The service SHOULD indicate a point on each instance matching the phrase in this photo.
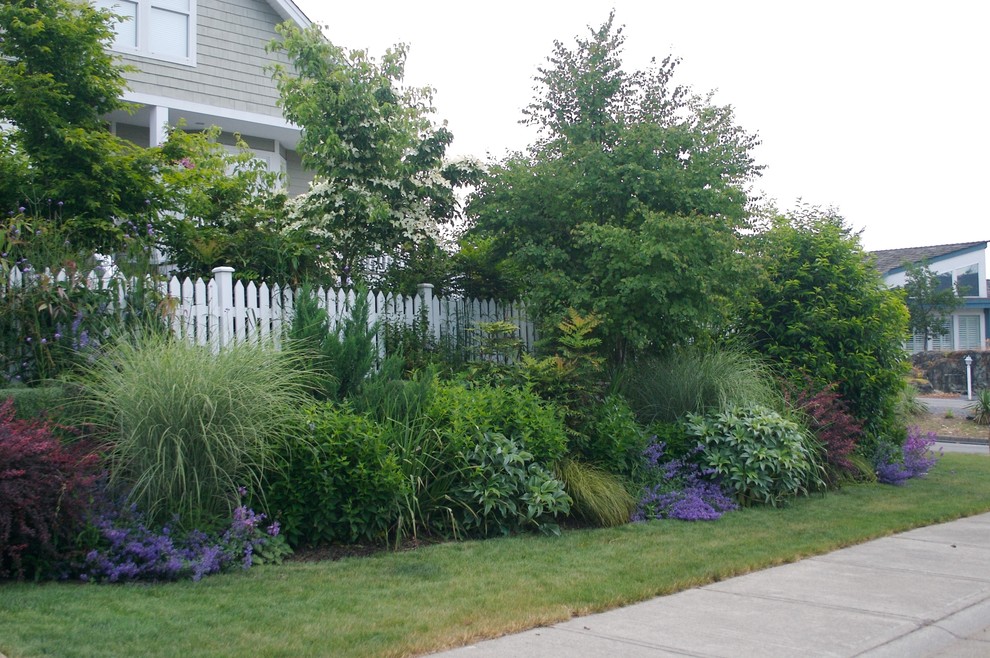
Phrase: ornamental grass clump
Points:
(185, 427)
(598, 496)
(695, 380)
(981, 407)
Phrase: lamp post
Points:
(969, 377)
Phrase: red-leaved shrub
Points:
(45, 488)
(830, 419)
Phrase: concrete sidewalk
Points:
(921, 593)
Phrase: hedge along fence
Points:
(220, 311)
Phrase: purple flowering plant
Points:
(914, 459)
(679, 488)
(128, 549)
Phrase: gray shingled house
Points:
(962, 264)
(204, 62)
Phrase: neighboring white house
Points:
(204, 62)
(962, 264)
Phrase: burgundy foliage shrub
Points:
(830, 419)
(45, 488)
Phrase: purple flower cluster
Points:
(131, 551)
(916, 458)
(680, 489)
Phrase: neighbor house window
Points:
(969, 332)
(968, 281)
(943, 342)
(163, 29)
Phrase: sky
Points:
(876, 108)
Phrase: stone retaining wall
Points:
(946, 371)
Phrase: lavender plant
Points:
(913, 460)
(680, 488)
(128, 549)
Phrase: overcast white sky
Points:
(878, 108)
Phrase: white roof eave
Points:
(290, 12)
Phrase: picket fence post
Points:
(222, 305)
(425, 291)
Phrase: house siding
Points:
(949, 264)
(231, 36)
(298, 177)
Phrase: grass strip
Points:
(407, 603)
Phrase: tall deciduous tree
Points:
(929, 301)
(382, 185)
(821, 308)
(629, 204)
(57, 81)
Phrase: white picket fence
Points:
(221, 311)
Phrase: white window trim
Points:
(144, 35)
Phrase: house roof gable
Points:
(290, 12)
(890, 261)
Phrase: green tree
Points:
(822, 309)
(381, 183)
(929, 301)
(57, 82)
(227, 208)
(629, 205)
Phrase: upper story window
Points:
(968, 281)
(163, 29)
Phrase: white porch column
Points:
(157, 125)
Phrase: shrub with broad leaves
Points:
(340, 483)
(45, 489)
(762, 457)
(506, 491)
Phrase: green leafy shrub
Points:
(761, 456)
(697, 381)
(184, 427)
(615, 441)
(46, 325)
(598, 496)
(572, 378)
(461, 414)
(431, 462)
(387, 395)
(37, 402)
(341, 482)
(822, 308)
(505, 490)
(674, 437)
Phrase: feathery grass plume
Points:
(184, 427)
(695, 380)
(599, 497)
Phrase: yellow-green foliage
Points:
(599, 497)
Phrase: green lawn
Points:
(441, 596)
